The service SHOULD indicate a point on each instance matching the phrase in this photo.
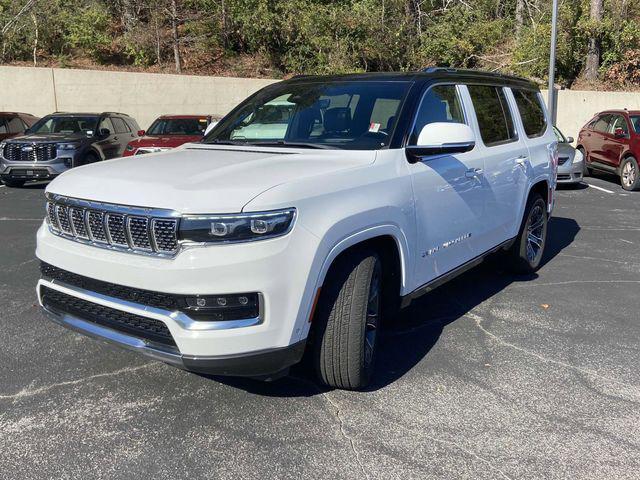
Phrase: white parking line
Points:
(599, 188)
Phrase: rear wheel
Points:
(629, 174)
(526, 253)
(13, 183)
(347, 321)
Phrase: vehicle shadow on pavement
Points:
(408, 338)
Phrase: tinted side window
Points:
(493, 114)
(119, 125)
(15, 125)
(440, 104)
(618, 121)
(3, 127)
(531, 112)
(106, 123)
(602, 124)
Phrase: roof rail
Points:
(473, 72)
(114, 113)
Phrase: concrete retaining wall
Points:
(146, 95)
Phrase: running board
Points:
(603, 167)
(444, 278)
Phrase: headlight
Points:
(243, 227)
(130, 148)
(68, 146)
(578, 157)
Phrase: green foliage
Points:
(285, 37)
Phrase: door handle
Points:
(473, 173)
(521, 160)
(115, 138)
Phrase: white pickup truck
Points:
(238, 256)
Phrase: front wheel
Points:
(526, 253)
(347, 321)
(629, 175)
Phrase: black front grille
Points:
(30, 152)
(562, 160)
(145, 297)
(129, 323)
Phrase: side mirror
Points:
(141, 133)
(619, 132)
(442, 138)
(570, 139)
(104, 132)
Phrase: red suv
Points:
(610, 142)
(14, 124)
(170, 131)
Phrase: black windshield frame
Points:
(303, 100)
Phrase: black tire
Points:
(88, 158)
(586, 171)
(347, 320)
(525, 254)
(630, 174)
(13, 183)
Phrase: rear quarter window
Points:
(531, 112)
(494, 117)
(119, 125)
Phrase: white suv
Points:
(352, 196)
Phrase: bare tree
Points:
(176, 38)
(593, 51)
(520, 6)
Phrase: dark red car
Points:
(170, 131)
(610, 142)
(13, 124)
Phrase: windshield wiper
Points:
(225, 142)
(284, 143)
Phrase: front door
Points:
(449, 192)
(613, 144)
(108, 143)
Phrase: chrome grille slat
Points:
(130, 229)
(30, 152)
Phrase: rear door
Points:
(506, 162)
(613, 145)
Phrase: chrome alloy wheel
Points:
(535, 233)
(373, 315)
(628, 174)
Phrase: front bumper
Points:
(34, 170)
(256, 364)
(570, 172)
(279, 269)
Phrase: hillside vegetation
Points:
(598, 40)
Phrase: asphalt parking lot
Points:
(491, 376)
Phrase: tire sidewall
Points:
(636, 184)
(534, 201)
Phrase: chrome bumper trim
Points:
(181, 318)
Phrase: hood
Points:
(171, 141)
(50, 137)
(200, 178)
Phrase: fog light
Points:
(223, 307)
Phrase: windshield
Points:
(351, 115)
(178, 126)
(635, 121)
(561, 138)
(67, 125)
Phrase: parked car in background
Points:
(13, 124)
(62, 141)
(570, 160)
(250, 253)
(170, 131)
(610, 142)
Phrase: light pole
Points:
(552, 62)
